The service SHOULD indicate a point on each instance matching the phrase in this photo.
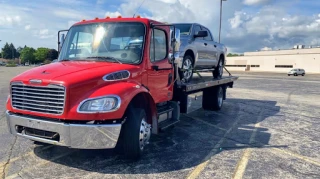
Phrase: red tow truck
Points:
(107, 92)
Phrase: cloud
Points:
(27, 27)
(271, 27)
(256, 2)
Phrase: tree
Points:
(41, 54)
(6, 51)
(232, 55)
(27, 55)
(52, 54)
(13, 51)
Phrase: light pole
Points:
(1, 51)
(220, 18)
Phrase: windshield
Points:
(184, 28)
(117, 42)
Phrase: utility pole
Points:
(220, 19)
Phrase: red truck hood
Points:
(70, 72)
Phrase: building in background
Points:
(277, 60)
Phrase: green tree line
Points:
(29, 54)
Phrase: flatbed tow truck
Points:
(104, 94)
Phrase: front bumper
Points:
(81, 136)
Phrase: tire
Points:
(295, 74)
(218, 71)
(303, 74)
(187, 64)
(214, 98)
(288, 75)
(135, 133)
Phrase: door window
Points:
(197, 28)
(159, 43)
(209, 37)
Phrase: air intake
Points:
(115, 76)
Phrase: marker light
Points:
(138, 16)
(96, 18)
(107, 17)
(119, 16)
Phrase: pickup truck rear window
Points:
(184, 28)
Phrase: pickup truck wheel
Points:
(218, 71)
(186, 72)
(136, 133)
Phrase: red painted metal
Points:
(83, 79)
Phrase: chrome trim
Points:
(82, 136)
(94, 112)
(104, 78)
(52, 86)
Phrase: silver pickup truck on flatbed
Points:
(199, 51)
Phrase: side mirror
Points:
(61, 39)
(202, 33)
(175, 44)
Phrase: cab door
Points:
(160, 71)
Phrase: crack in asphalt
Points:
(5, 166)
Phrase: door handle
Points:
(156, 68)
(205, 44)
(215, 45)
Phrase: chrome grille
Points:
(43, 99)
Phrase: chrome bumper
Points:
(82, 136)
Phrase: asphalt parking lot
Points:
(269, 127)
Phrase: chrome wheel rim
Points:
(187, 68)
(220, 68)
(220, 96)
(145, 132)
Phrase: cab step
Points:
(168, 115)
(164, 112)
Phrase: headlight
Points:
(101, 104)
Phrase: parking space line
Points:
(277, 150)
(243, 162)
(199, 168)
(25, 155)
(306, 159)
(44, 162)
(208, 123)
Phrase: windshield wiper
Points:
(105, 58)
(64, 60)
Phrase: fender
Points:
(126, 90)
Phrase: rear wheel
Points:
(214, 98)
(136, 133)
(288, 75)
(218, 71)
(303, 74)
(295, 74)
(186, 72)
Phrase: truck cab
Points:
(105, 91)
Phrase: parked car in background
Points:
(296, 72)
(199, 51)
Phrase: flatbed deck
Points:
(198, 83)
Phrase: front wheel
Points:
(303, 74)
(136, 133)
(218, 71)
(186, 72)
